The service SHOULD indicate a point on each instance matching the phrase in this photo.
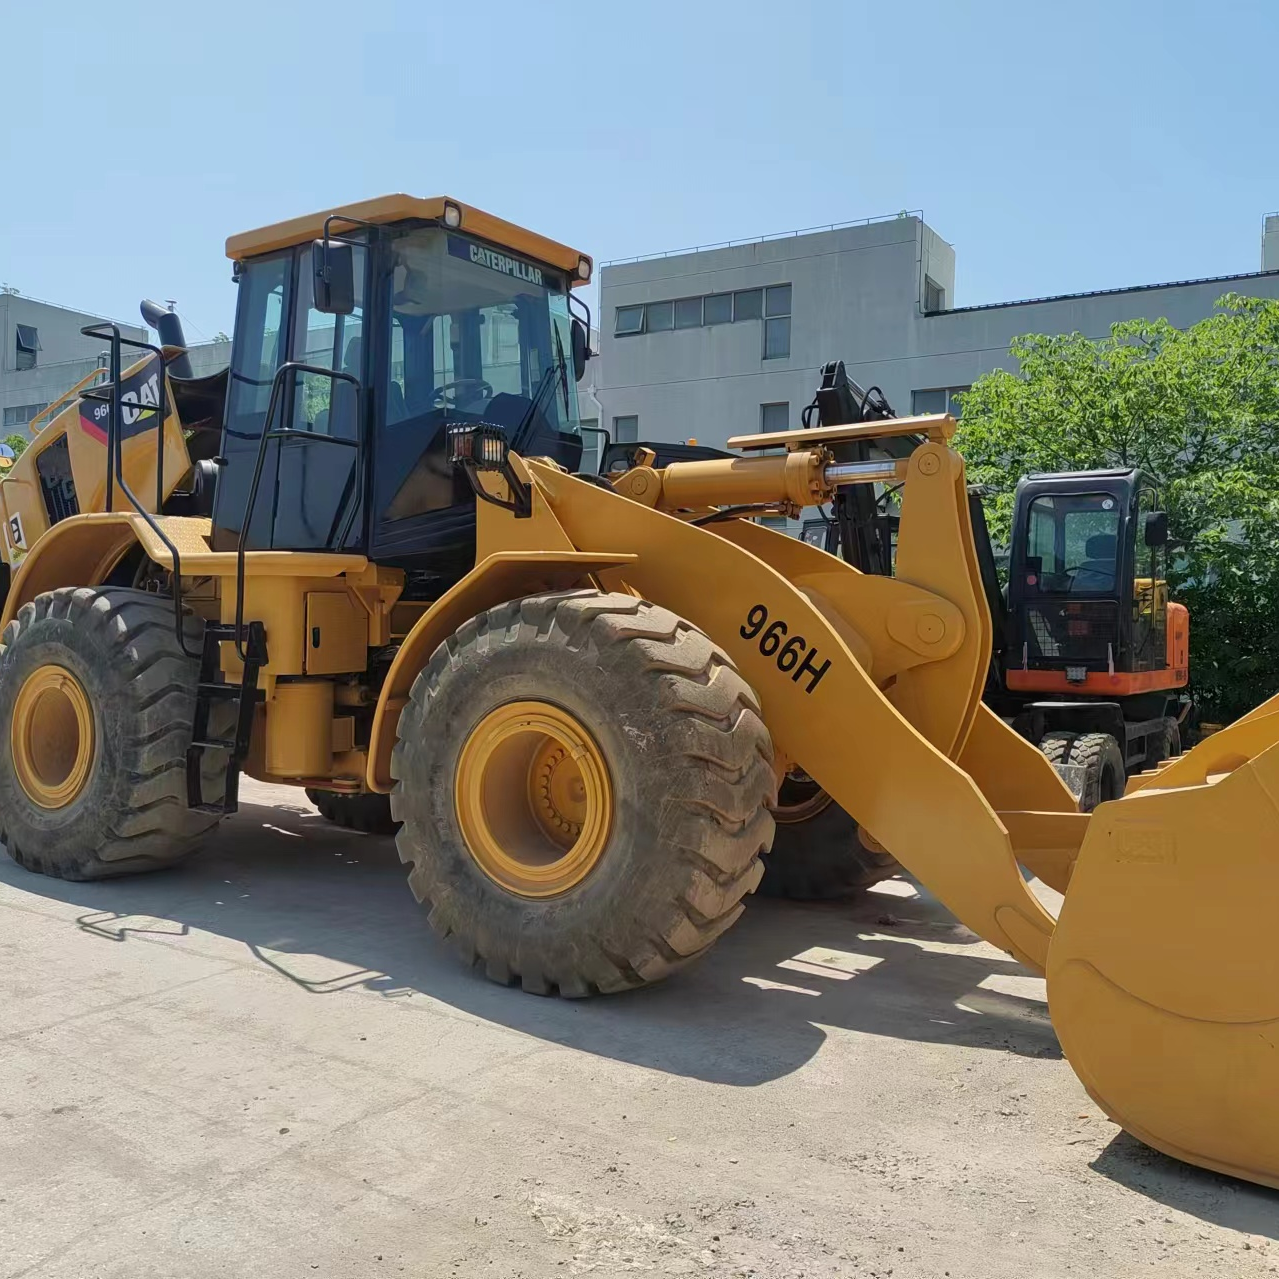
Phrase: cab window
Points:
(1075, 540)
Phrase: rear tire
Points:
(817, 855)
(1165, 744)
(370, 813)
(1101, 758)
(686, 764)
(117, 652)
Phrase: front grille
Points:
(1075, 631)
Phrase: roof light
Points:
(452, 214)
(583, 268)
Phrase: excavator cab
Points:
(1088, 606)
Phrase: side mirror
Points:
(1156, 530)
(334, 265)
(581, 349)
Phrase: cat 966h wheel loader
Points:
(362, 563)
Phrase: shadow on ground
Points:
(329, 911)
(1224, 1201)
(291, 887)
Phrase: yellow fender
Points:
(77, 552)
(502, 576)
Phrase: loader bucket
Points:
(1163, 973)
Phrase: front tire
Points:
(584, 782)
(97, 703)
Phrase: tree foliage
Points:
(17, 443)
(1199, 410)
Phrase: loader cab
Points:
(1087, 587)
(446, 316)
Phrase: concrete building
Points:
(43, 353)
(714, 342)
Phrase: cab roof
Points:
(399, 208)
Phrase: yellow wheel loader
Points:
(361, 562)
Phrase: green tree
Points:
(1199, 410)
(17, 443)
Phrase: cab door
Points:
(318, 482)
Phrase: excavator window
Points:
(1073, 543)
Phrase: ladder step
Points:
(217, 743)
(220, 809)
(228, 692)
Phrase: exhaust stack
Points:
(167, 324)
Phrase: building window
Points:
(943, 399)
(688, 313)
(21, 414)
(626, 429)
(659, 316)
(717, 308)
(590, 462)
(777, 322)
(778, 523)
(934, 295)
(774, 417)
(777, 300)
(629, 319)
(27, 343)
(777, 338)
(771, 304)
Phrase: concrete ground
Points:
(262, 1064)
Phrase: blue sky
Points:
(1058, 147)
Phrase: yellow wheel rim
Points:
(534, 799)
(799, 799)
(51, 736)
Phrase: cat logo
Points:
(134, 404)
(14, 530)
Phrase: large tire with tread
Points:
(1165, 744)
(1102, 761)
(817, 855)
(370, 813)
(131, 812)
(689, 763)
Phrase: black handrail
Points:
(115, 455)
(287, 432)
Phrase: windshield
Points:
(478, 332)
(1075, 538)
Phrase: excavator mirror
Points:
(581, 349)
(334, 277)
(1156, 531)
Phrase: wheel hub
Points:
(51, 736)
(534, 799)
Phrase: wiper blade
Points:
(536, 402)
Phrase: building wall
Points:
(867, 295)
(1270, 243)
(856, 293)
(65, 356)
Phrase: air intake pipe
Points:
(167, 324)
